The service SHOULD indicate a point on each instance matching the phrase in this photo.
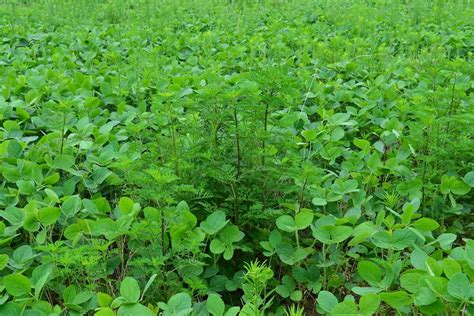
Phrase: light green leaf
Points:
(326, 301)
(126, 205)
(130, 290)
(303, 220)
(369, 272)
(286, 223)
(17, 284)
(426, 224)
(459, 286)
(369, 304)
(214, 223)
(215, 305)
(49, 215)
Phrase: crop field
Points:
(236, 157)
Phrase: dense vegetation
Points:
(236, 157)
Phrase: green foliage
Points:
(236, 157)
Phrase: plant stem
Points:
(237, 144)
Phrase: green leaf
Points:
(3, 261)
(453, 185)
(104, 299)
(446, 240)
(106, 311)
(286, 223)
(82, 297)
(134, 309)
(361, 143)
(469, 178)
(398, 240)
(433, 268)
(228, 252)
(345, 308)
(450, 267)
(71, 206)
(126, 205)
(215, 305)
(326, 301)
(460, 287)
(374, 163)
(424, 296)
(296, 296)
(232, 311)
(365, 290)
(397, 299)
(436, 284)
(49, 215)
(412, 280)
(180, 302)
(318, 201)
(231, 234)
(332, 234)
(26, 187)
(303, 220)
(369, 272)
(217, 246)
(426, 224)
(64, 162)
(369, 304)
(130, 290)
(149, 283)
(17, 284)
(309, 134)
(460, 188)
(214, 223)
(469, 253)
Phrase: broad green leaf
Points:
(3, 261)
(106, 311)
(397, 299)
(326, 301)
(215, 305)
(180, 302)
(104, 299)
(426, 224)
(134, 309)
(397, 240)
(286, 223)
(296, 296)
(26, 187)
(233, 311)
(345, 308)
(130, 290)
(450, 267)
(217, 246)
(460, 287)
(49, 215)
(214, 223)
(412, 280)
(469, 253)
(309, 135)
(331, 234)
(424, 296)
(71, 206)
(446, 240)
(469, 178)
(369, 272)
(369, 304)
(17, 284)
(303, 220)
(126, 205)
(433, 268)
